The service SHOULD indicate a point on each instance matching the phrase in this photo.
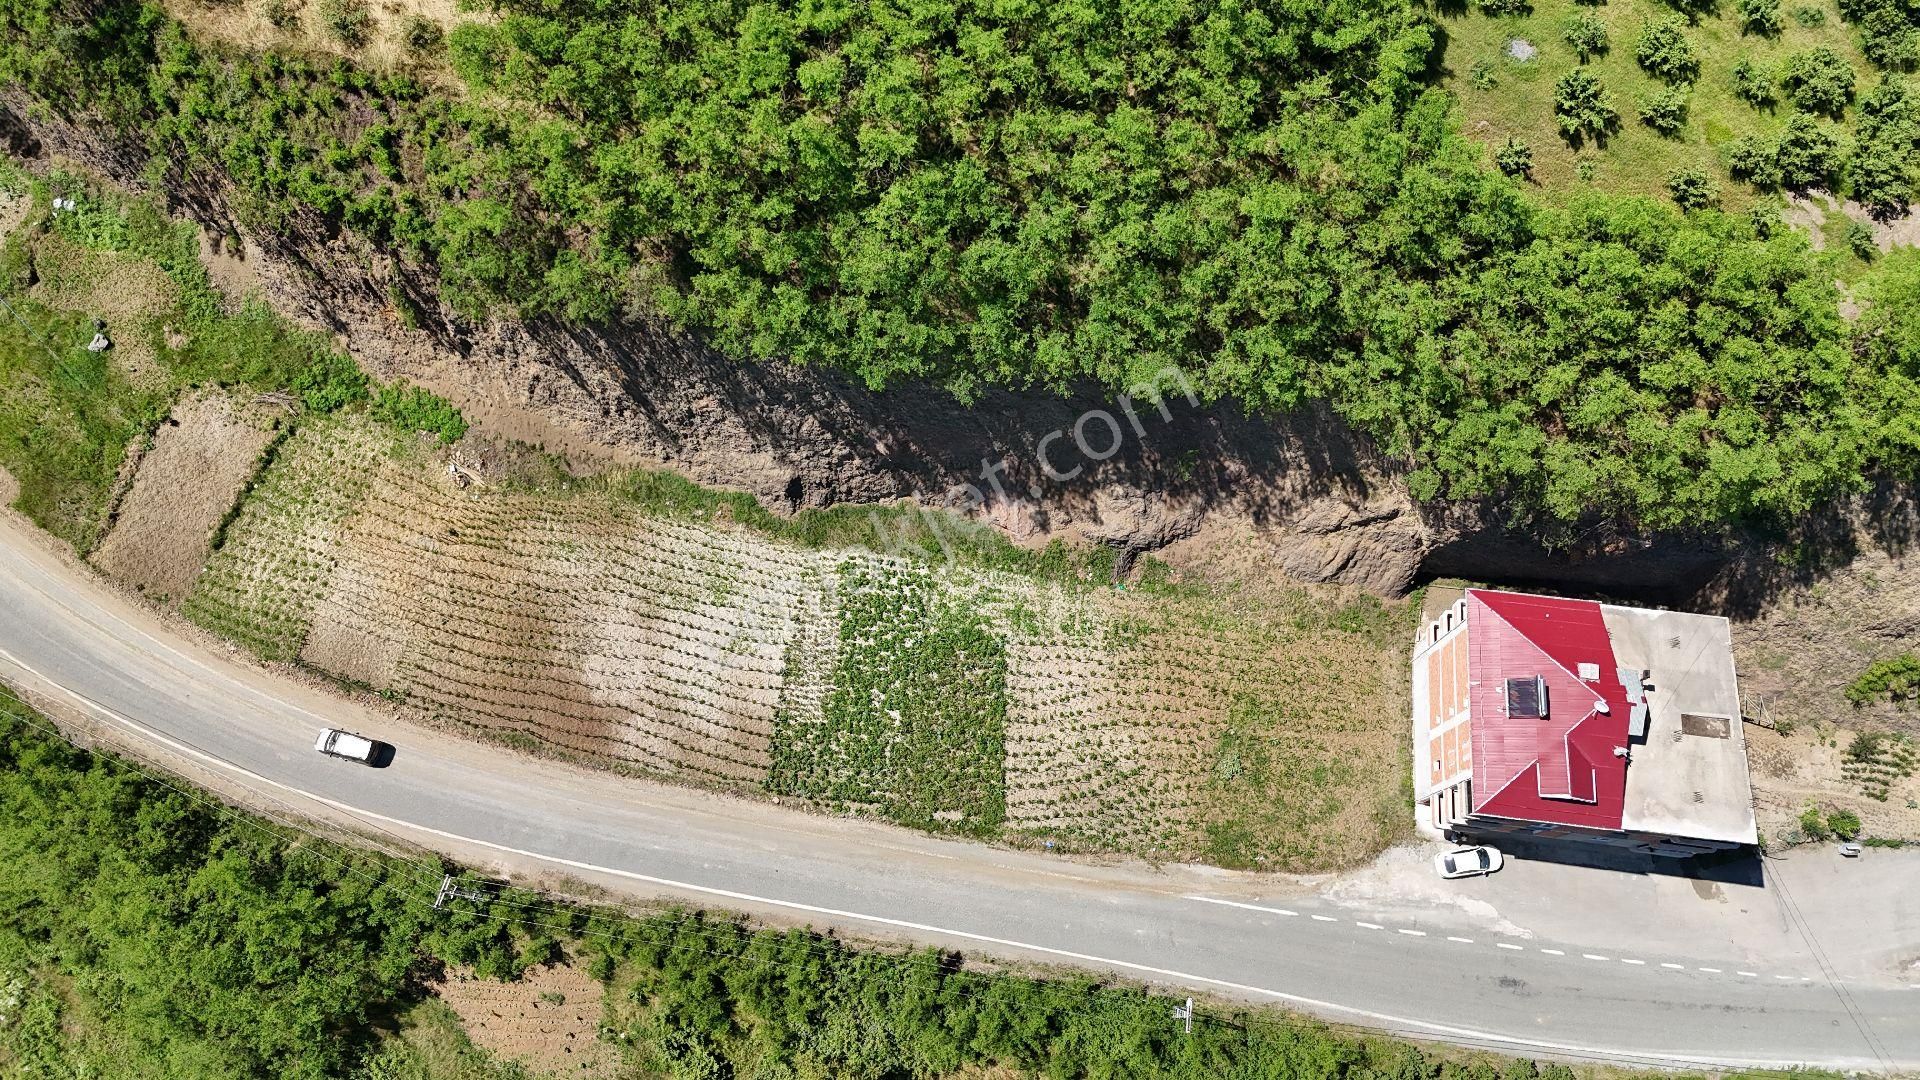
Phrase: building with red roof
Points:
(1575, 720)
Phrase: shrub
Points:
(1761, 17)
(405, 405)
(422, 35)
(1587, 34)
(1809, 17)
(1860, 239)
(1483, 75)
(1755, 160)
(283, 14)
(1893, 679)
(1844, 824)
(1813, 823)
(1692, 189)
(1887, 38)
(1515, 158)
(1664, 51)
(1752, 83)
(346, 21)
(1818, 81)
(1665, 111)
(1582, 105)
(1880, 177)
(1500, 8)
(1806, 154)
(331, 382)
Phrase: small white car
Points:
(1468, 862)
(345, 744)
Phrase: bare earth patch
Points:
(200, 461)
(548, 1020)
(1792, 772)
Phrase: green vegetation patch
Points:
(1278, 791)
(144, 934)
(1895, 679)
(1270, 198)
(914, 726)
(67, 417)
(1744, 68)
(1876, 760)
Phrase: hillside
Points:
(1276, 204)
(890, 662)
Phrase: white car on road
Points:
(1468, 862)
(345, 744)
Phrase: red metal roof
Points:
(1561, 768)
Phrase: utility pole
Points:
(452, 890)
(1185, 1012)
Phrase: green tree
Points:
(1818, 80)
(1807, 154)
(1664, 51)
(1514, 157)
(1756, 160)
(1752, 83)
(1583, 106)
(1881, 169)
(1760, 17)
(1692, 189)
(1586, 33)
(1665, 110)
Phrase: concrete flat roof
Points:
(1689, 778)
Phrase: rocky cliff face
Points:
(1318, 502)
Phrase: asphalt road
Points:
(1441, 972)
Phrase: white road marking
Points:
(1710, 971)
(1675, 967)
(1414, 933)
(1748, 974)
(1385, 1019)
(1553, 952)
(1592, 956)
(1249, 907)
(1325, 918)
(1784, 978)
(1504, 945)
(1635, 963)
(1466, 940)
(1368, 925)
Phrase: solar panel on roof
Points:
(1527, 698)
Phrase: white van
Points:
(345, 744)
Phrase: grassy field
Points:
(69, 416)
(1514, 99)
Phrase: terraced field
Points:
(1168, 722)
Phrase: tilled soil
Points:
(201, 459)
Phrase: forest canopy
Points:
(1271, 196)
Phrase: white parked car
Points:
(345, 744)
(1468, 862)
